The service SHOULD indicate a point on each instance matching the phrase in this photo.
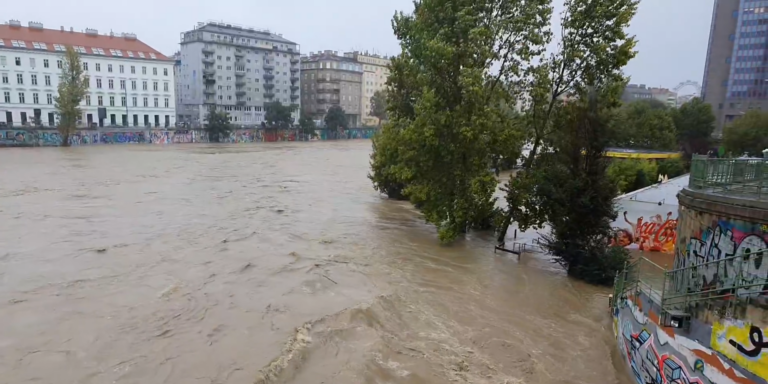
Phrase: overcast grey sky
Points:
(672, 34)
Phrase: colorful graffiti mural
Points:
(746, 275)
(655, 235)
(23, 137)
(657, 355)
(743, 343)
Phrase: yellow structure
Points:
(623, 153)
(375, 74)
(743, 343)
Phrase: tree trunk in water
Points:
(508, 219)
(65, 139)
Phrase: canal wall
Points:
(51, 138)
(718, 283)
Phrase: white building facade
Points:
(237, 70)
(375, 74)
(133, 83)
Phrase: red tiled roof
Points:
(53, 36)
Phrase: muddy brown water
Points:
(266, 263)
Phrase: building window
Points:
(35, 98)
(166, 102)
(32, 62)
(87, 99)
(122, 84)
(122, 101)
(133, 99)
(21, 97)
(19, 78)
(122, 68)
(732, 37)
(154, 85)
(144, 85)
(165, 87)
(111, 101)
(165, 71)
(98, 83)
(98, 67)
(85, 66)
(154, 71)
(133, 69)
(5, 78)
(143, 70)
(49, 98)
(3, 61)
(7, 97)
(146, 102)
(100, 100)
(109, 67)
(735, 14)
(34, 79)
(48, 80)
(111, 84)
(133, 85)
(156, 103)
(18, 61)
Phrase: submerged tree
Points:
(379, 105)
(217, 125)
(307, 125)
(278, 115)
(72, 88)
(336, 119)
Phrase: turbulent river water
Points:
(266, 263)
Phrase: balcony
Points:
(269, 76)
(208, 60)
(240, 102)
(209, 100)
(325, 80)
(294, 97)
(240, 92)
(269, 95)
(209, 79)
(322, 100)
(208, 50)
(209, 71)
(294, 88)
(268, 85)
(239, 82)
(294, 60)
(294, 79)
(239, 54)
(268, 67)
(209, 91)
(239, 72)
(294, 70)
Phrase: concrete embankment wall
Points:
(721, 281)
(49, 137)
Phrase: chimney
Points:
(14, 23)
(62, 28)
(71, 29)
(35, 25)
(91, 32)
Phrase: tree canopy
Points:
(278, 115)
(379, 105)
(307, 125)
(217, 125)
(646, 125)
(694, 124)
(72, 89)
(336, 119)
(748, 134)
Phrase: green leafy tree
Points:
(217, 125)
(593, 49)
(278, 116)
(631, 175)
(379, 105)
(748, 134)
(447, 110)
(336, 119)
(646, 127)
(72, 88)
(671, 168)
(307, 125)
(573, 195)
(694, 123)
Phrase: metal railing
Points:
(745, 176)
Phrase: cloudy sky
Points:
(672, 34)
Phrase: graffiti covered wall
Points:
(662, 355)
(646, 227)
(744, 343)
(31, 137)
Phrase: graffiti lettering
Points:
(756, 338)
(655, 235)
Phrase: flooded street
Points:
(266, 263)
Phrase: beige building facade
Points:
(328, 80)
(375, 74)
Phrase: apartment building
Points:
(375, 74)
(736, 68)
(129, 79)
(329, 79)
(238, 70)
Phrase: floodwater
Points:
(266, 263)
